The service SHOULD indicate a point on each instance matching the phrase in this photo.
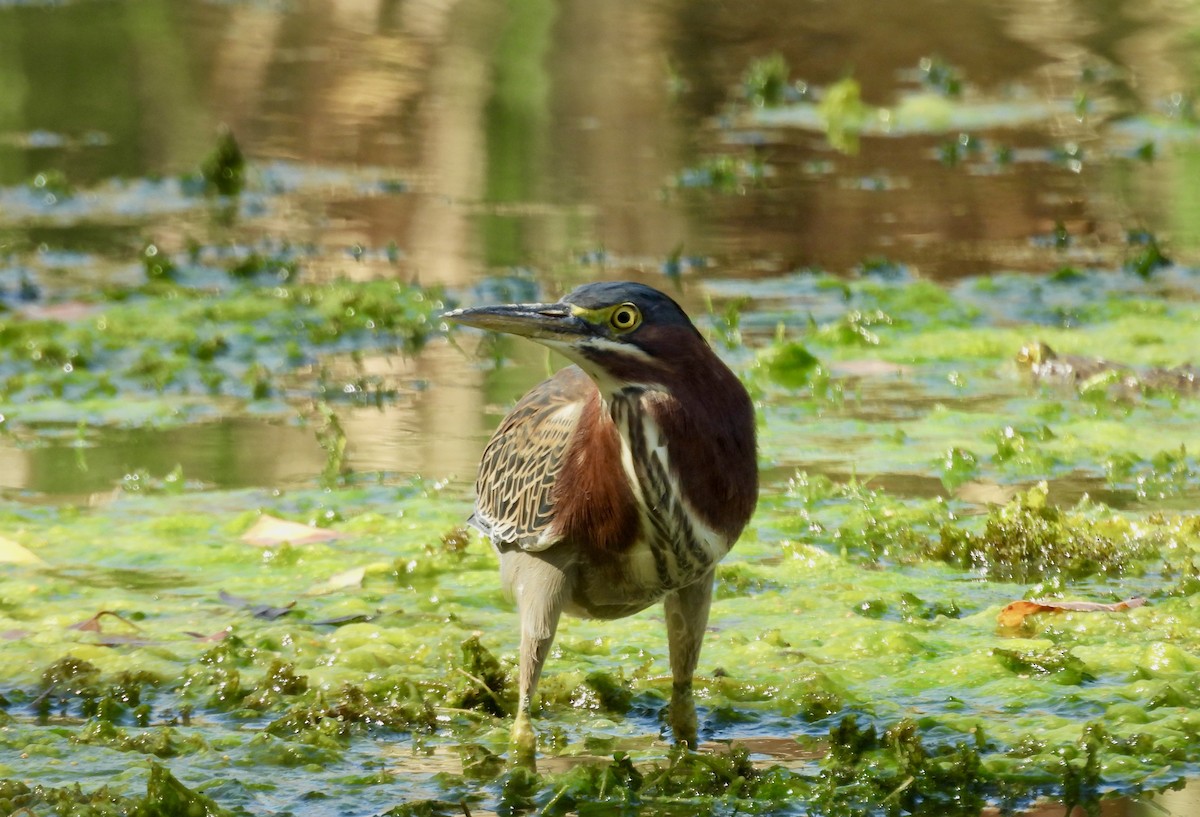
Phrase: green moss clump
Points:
(766, 81)
(604, 691)
(789, 364)
(856, 328)
(281, 680)
(70, 674)
(224, 169)
(1029, 540)
(1058, 664)
(739, 579)
(399, 709)
(73, 681)
(164, 742)
(484, 682)
(165, 797)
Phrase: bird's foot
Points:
(682, 716)
(523, 740)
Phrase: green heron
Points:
(619, 481)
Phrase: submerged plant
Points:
(224, 169)
(938, 75)
(724, 174)
(766, 81)
(843, 114)
(53, 185)
(1144, 255)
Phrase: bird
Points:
(619, 482)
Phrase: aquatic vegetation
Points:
(175, 340)
(165, 796)
(765, 81)
(938, 75)
(421, 650)
(842, 114)
(790, 364)
(958, 465)
(1145, 254)
(1165, 474)
(52, 185)
(223, 170)
(867, 592)
(1030, 540)
(724, 174)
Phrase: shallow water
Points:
(552, 141)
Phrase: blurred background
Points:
(514, 149)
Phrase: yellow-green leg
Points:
(540, 589)
(687, 617)
(523, 740)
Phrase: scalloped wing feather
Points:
(514, 503)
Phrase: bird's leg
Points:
(535, 646)
(687, 617)
(541, 588)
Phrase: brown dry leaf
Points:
(1014, 615)
(92, 625)
(14, 554)
(269, 531)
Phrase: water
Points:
(552, 138)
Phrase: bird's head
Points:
(622, 334)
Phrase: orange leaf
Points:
(1014, 615)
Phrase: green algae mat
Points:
(973, 578)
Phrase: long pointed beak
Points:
(536, 321)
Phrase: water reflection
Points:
(583, 113)
(550, 133)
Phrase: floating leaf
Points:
(270, 531)
(1014, 614)
(345, 580)
(14, 554)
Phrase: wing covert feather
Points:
(514, 502)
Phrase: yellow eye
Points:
(625, 317)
